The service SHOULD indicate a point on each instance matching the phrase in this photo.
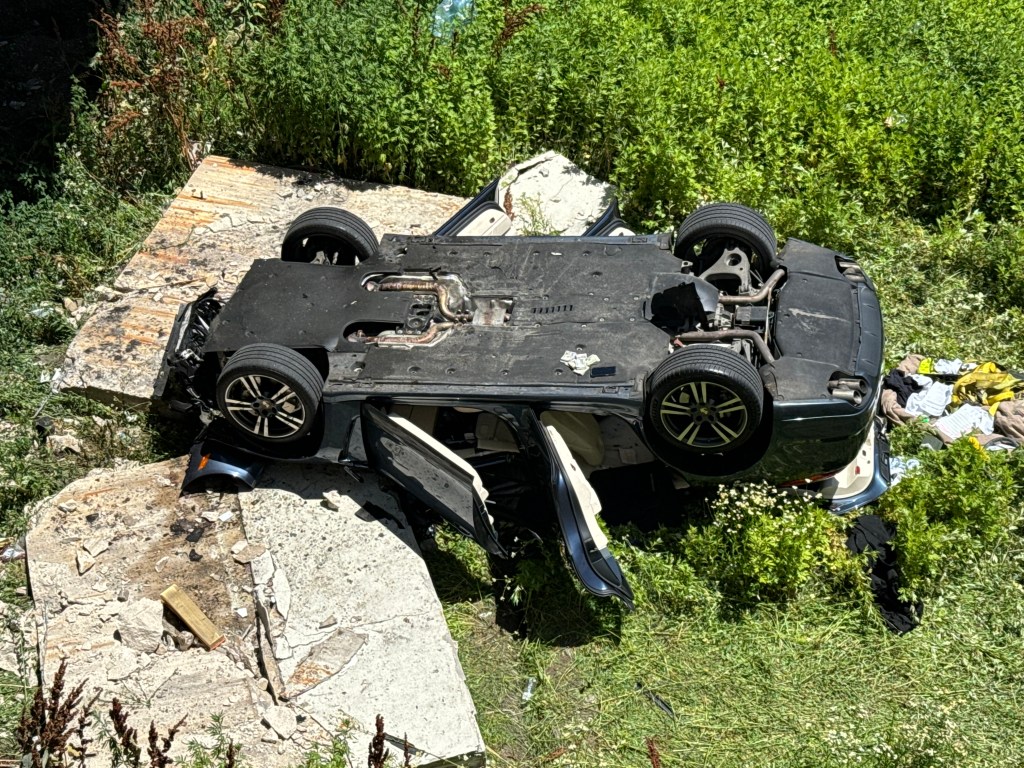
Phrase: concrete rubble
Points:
(333, 620)
(360, 635)
(314, 577)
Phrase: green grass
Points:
(816, 683)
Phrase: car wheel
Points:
(329, 236)
(713, 229)
(704, 399)
(270, 393)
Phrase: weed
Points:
(765, 544)
(46, 731)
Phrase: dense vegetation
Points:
(889, 130)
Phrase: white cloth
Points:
(930, 401)
(965, 420)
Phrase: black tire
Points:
(270, 393)
(704, 399)
(329, 236)
(712, 229)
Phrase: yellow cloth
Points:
(987, 384)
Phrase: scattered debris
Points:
(659, 702)
(281, 719)
(247, 552)
(96, 547)
(531, 686)
(63, 444)
(13, 549)
(85, 561)
(579, 362)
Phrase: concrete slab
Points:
(360, 631)
(548, 194)
(138, 527)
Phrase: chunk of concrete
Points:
(281, 719)
(227, 215)
(141, 624)
(370, 576)
(550, 195)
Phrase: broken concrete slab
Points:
(140, 625)
(548, 194)
(92, 620)
(386, 649)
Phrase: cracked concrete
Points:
(364, 628)
(334, 622)
(85, 618)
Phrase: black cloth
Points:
(902, 385)
(871, 533)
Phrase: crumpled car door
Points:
(426, 468)
(577, 506)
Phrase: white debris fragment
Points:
(123, 663)
(68, 506)
(96, 546)
(141, 624)
(242, 612)
(282, 649)
(579, 362)
(63, 444)
(333, 500)
(281, 719)
(225, 516)
(248, 553)
(238, 546)
(85, 561)
(262, 569)
(282, 593)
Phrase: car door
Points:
(426, 468)
(577, 506)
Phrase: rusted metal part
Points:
(432, 335)
(451, 292)
(761, 295)
(697, 337)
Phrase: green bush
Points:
(763, 543)
(820, 113)
(950, 510)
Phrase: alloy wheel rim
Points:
(265, 406)
(703, 414)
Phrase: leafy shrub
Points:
(956, 505)
(794, 107)
(765, 544)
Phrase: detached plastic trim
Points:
(209, 459)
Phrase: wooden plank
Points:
(193, 616)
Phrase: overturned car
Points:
(500, 380)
